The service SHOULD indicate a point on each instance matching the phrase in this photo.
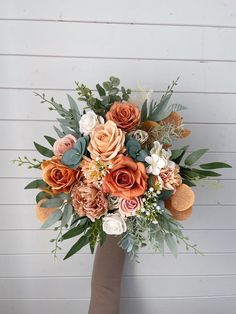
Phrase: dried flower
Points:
(88, 200)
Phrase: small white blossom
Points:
(158, 160)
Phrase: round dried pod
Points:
(182, 215)
(182, 199)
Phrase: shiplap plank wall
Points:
(45, 46)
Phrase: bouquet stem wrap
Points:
(106, 278)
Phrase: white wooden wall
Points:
(45, 46)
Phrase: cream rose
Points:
(114, 224)
(88, 122)
(63, 144)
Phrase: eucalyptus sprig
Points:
(35, 163)
(70, 117)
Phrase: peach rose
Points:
(58, 176)
(89, 201)
(63, 144)
(126, 179)
(107, 141)
(129, 207)
(125, 115)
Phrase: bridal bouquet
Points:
(111, 170)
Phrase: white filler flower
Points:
(114, 224)
(88, 122)
(158, 159)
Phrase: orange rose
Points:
(126, 179)
(58, 176)
(107, 141)
(125, 115)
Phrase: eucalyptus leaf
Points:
(36, 184)
(41, 195)
(52, 219)
(52, 203)
(101, 91)
(67, 213)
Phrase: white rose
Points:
(114, 224)
(88, 122)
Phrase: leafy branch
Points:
(109, 92)
(35, 163)
(70, 118)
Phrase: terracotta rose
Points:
(126, 179)
(58, 176)
(125, 115)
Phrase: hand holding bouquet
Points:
(112, 171)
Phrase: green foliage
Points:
(171, 243)
(135, 151)
(215, 165)
(109, 92)
(67, 214)
(194, 156)
(41, 195)
(69, 121)
(73, 156)
(54, 202)
(160, 110)
(50, 140)
(52, 219)
(83, 225)
(44, 150)
(36, 184)
(83, 240)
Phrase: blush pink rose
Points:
(128, 207)
(63, 144)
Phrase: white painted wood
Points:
(54, 73)
(210, 192)
(25, 105)
(37, 265)
(218, 305)
(132, 287)
(30, 131)
(191, 12)
(89, 41)
(173, 42)
(22, 217)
